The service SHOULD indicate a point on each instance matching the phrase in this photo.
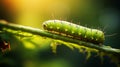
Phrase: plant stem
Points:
(43, 33)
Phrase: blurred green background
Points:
(36, 51)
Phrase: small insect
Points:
(4, 45)
(74, 31)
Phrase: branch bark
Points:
(43, 33)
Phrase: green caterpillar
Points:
(74, 31)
